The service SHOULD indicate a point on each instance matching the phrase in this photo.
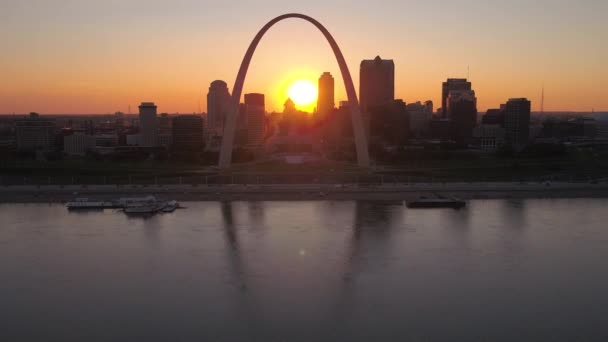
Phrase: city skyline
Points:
(77, 66)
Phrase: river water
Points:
(500, 270)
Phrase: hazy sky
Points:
(86, 56)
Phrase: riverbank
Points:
(295, 192)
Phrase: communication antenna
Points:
(542, 101)
(468, 72)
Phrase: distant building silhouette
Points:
(326, 101)
(450, 85)
(119, 120)
(165, 135)
(429, 106)
(494, 117)
(187, 132)
(389, 123)
(218, 106)
(78, 144)
(325, 109)
(34, 133)
(148, 124)
(489, 137)
(517, 122)
(256, 119)
(376, 86)
(420, 116)
(462, 111)
(164, 124)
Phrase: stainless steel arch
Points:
(229, 129)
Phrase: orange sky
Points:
(92, 57)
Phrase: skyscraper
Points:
(256, 119)
(148, 124)
(377, 83)
(218, 106)
(517, 123)
(462, 111)
(325, 101)
(450, 85)
(376, 86)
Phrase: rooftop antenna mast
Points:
(542, 101)
(468, 72)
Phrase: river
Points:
(499, 270)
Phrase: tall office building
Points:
(187, 132)
(452, 84)
(326, 101)
(34, 133)
(218, 107)
(462, 111)
(517, 123)
(376, 87)
(377, 83)
(256, 119)
(148, 124)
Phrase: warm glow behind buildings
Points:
(98, 57)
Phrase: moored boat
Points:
(170, 206)
(87, 204)
(423, 203)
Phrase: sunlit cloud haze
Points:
(84, 56)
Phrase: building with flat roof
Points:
(35, 133)
(256, 119)
(148, 124)
(376, 86)
(517, 123)
(218, 107)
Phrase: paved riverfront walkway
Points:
(56, 193)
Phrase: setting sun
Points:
(303, 93)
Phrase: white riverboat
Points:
(85, 203)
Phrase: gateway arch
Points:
(357, 119)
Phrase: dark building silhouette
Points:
(571, 129)
(462, 111)
(34, 133)
(494, 117)
(187, 131)
(389, 123)
(218, 105)
(420, 115)
(325, 101)
(441, 129)
(428, 106)
(256, 119)
(452, 84)
(148, 124)
(376, 86)
(517, 123)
